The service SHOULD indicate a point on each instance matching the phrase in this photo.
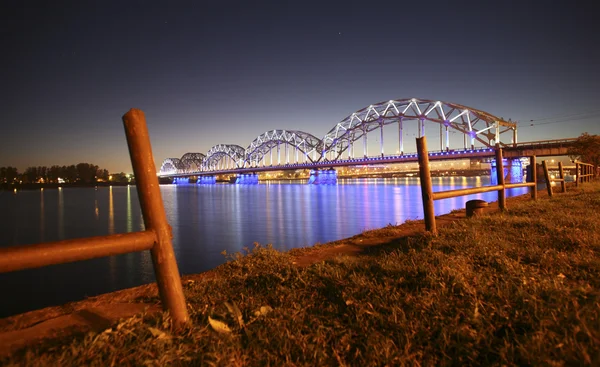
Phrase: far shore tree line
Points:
(80, 173)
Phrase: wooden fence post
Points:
(155, 219)
(563, 184)
(547, 177)
(500, 176)
(426, 187)
(533, 165)
(577, 175)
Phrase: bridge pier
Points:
(247, 179)
(323, 177)
(513, 171)
(207, 180)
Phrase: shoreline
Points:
(55, 186)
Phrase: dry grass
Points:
(514, 288)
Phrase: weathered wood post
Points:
(589, 173)
(577, 175)
(155, 219)
(563, 185)
(547, 177)
(533, 165)
(426, 188)
(500, 176)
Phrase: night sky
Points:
(210, 72)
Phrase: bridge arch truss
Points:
(301, 142)
(476, 125)
(170, 166)
(218, 156)
(191, 162)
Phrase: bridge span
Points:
(481, 134)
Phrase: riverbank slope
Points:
(519, 287)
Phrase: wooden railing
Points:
(156, 237)
(549, 180)
(429, 196)
(584, 172)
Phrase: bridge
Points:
(481, 134)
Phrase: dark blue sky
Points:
(210, 72)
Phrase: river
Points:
(206, 220)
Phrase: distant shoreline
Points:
(37, 186)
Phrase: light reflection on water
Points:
(206, 219)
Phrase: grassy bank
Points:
(514, 288)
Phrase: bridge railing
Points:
(429, 196)
(538, 143)
(156, 237)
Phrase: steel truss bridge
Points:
(481, 132)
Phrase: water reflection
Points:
(42, 218)
(61, 215)
(129, 216)
(111, 211)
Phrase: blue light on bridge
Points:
(247, 179)
(207, 180)
(323, 177)
(513, 171)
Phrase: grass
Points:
(514, 288)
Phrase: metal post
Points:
(381, 142)
(500, 176)
(533, 164)
(401, 141)
(155, 219)
(447, 139)
(563, 185)
(365, 143)
(426, 187)
(547, 177)
(441, 139)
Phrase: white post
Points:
(400, 136)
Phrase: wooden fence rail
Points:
(429, 196)
(584, 172)
(156, 237)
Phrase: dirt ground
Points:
(99, 312)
